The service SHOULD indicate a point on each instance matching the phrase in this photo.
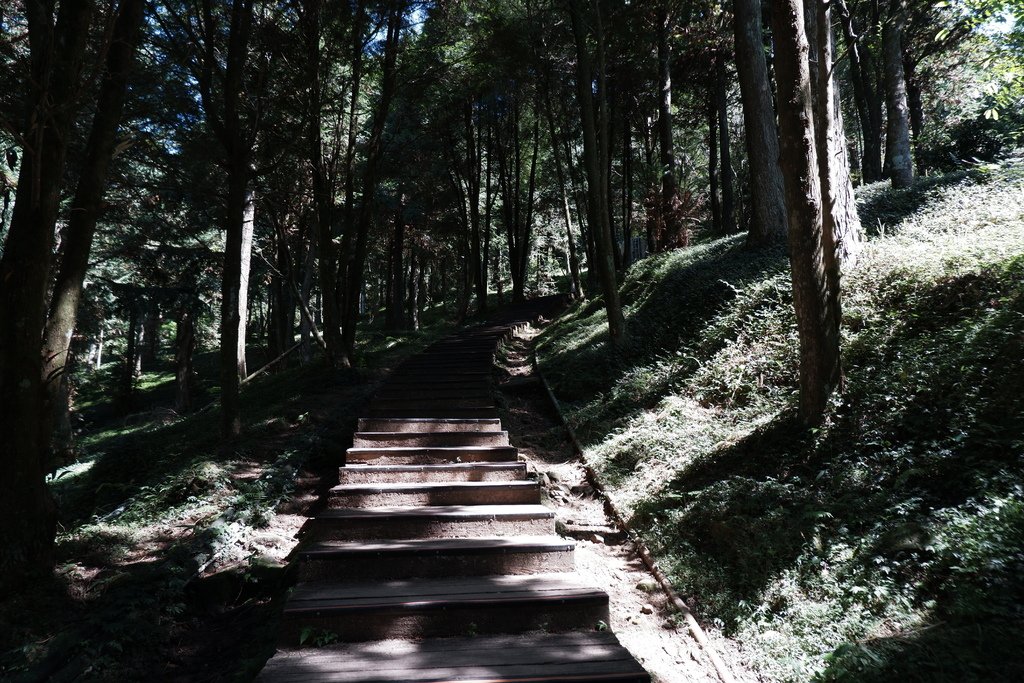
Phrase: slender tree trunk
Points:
(818, 332)
(722, 104)
(394, 317)
(768, 223)
(716, 205)
(898, 160)
(868, 109)
(27, 511)
(672, 231)
(414, 292)
(574, 264)
(597, 201)
(244, 264)
(374, 147)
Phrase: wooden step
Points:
(437, 558)
(534, 658)
(434, 493)
(480, 471)
(427, 425)
(434, 393)
(425, 608)
(414, 455)
(425, 404)
(428, 439)
(438, 411)
(431, 521)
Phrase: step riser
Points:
(398, 528)
(420, 426)
(509, 496)
(442, 412)
(424, 404)
(428, 440)
(438, 566)
(454, 621)
(476, 395)
(431, 456)
(353, 475)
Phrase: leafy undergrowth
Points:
(889, 543)
(171, 547)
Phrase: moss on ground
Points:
(889, 543)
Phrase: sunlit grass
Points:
(852, 552)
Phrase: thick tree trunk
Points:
(627, 192)
(86, 208)
(232, 325)
(184, 346)
(768, 223)
(27, 512)
(596, 206)
(818, 331)
(722, 105)
(898, 160)
(150, 336)
(412, 305)
(841, 234)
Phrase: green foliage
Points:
(887, 544)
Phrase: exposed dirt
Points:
(641, 615)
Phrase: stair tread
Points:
(441, 511)
(437, 593)
(543, 657)
(454, 466)
(411, 487)
(438, 545)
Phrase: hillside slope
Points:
(890, 542)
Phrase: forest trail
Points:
(434, 559)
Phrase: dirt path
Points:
(641, 615)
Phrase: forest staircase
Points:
(434, 559)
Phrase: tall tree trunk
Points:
(412, 305)
(27, 512)
(869, 110)
(394, 317)
(184, 346)
(722, 105)
(898, 160)
(374, 148)
(596, 206)
(672, 231)
(576, 286)
(716, 205)
(767, 198)
(627, 192)
(841, 233)
(818, 331)
(86, 208)
(244, 264)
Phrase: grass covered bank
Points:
(889, 544)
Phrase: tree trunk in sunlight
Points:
(898, 162)
(817, 329)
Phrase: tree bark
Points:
(722, 104)
(869, 109)
(898, 160)
(672, 231)
(716, 204)
(597, 204)
(85, 210)
(767, 198)
(394, 317)
(184, 346)
(818, 332)
(27, 511)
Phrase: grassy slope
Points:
(889, 543)
(156, 507)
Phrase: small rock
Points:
(647, 609)
(597, 538)
(544, 479)
(554, 476)
(647, 585)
